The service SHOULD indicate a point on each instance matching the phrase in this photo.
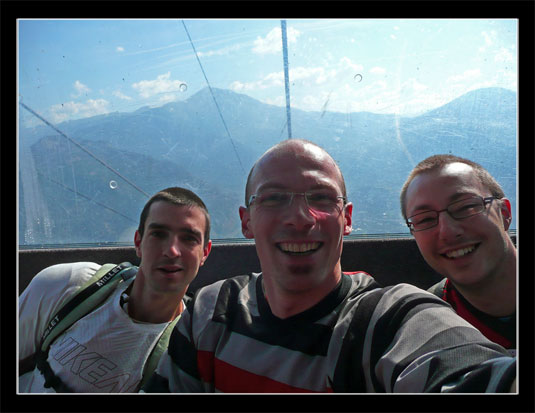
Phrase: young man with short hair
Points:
(107, 350)
(303, 325)
(459, 217)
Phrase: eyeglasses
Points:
(319, 201)
(457, 210)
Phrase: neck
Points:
(155, 308)
(285, 302)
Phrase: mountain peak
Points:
(208, 92)
(485, 103)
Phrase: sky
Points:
(72, 69)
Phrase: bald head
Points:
(293, 149)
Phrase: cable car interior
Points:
(112, 110)
(195, 102)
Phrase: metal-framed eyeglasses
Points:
(318, 201)
(457, 210)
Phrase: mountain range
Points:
(72, 195)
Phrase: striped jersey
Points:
(501, 330)
(359, 338)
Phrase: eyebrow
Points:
(270, 186)
(453, 198)
(282, 187)
(156, 225)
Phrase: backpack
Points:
(87, 298)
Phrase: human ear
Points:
(137, 243)
(245, 218)
(348, 211)
(206, 251)
(505, 209)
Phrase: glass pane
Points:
(111, 111)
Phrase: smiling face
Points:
(469, 251)
(172, 247)
(299, 247)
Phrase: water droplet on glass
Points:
(183, 87)
(113, 184)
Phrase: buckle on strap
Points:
(128, 273)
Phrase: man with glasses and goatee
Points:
(459, 217)
(302, 324)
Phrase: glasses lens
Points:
(466, 207)
(274, 199)
(322, 201)
(424, 220)
(319, 201)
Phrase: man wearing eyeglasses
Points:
(459, 217)
(303, 325)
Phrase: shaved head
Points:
(298, 148)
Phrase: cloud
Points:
(76, 110)
(162, 84)
(341, 91)
(272, 42)
(270, 80)
(346, 63)
(120, 49)
(503, 55)
(466, 75)
(166, 98)
(488, 38)
(408, 98)
(121, 95)
(316, 75)
(308, 76)
(220, 52)
(377, 70)
(80, 89)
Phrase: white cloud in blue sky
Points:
(90, 107)
(162, 84)
(121, 95)
(80, 89)
(272, 43)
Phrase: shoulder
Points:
(409, 291)
(222, 295)
(70, 273)
(226, 286)
(48, 291)
(437, 289)
(361, 278)
(63, 278)
(391, 298)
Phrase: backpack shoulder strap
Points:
(157, 351)
(104, 269)
(92, 293)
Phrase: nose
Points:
(172, 249)
(298, 213)
(448, 227)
